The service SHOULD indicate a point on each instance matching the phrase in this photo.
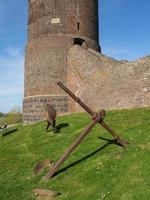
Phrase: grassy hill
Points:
(98, 169)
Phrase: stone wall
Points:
(103, 82)
(54, 26)
(35, 107)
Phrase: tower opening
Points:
(79, 41)
(78, 26)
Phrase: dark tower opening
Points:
(55, 3)
(79, 41)
(78, 26)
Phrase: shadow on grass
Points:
(109, 142)
(60, 126)
(114, 141)
(8, 132)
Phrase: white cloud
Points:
(13, 52)
(11, 79)
(10, 89)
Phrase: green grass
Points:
(95, 171)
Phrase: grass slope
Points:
(96, 170)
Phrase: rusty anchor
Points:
(96, 118)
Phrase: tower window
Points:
(55, 3)
(78, 25)
(78, 41)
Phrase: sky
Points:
(124, 34)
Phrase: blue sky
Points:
(125, 28)
(124, 34)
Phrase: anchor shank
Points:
(56, 166)
(85, 107)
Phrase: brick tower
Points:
(53, 27)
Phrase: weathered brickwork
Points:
(105, 83)
(63, 16)
(34, 107)
(54, 26)
(45, 65)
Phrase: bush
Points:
(13, 118)
(2, 114)
(2, 121)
